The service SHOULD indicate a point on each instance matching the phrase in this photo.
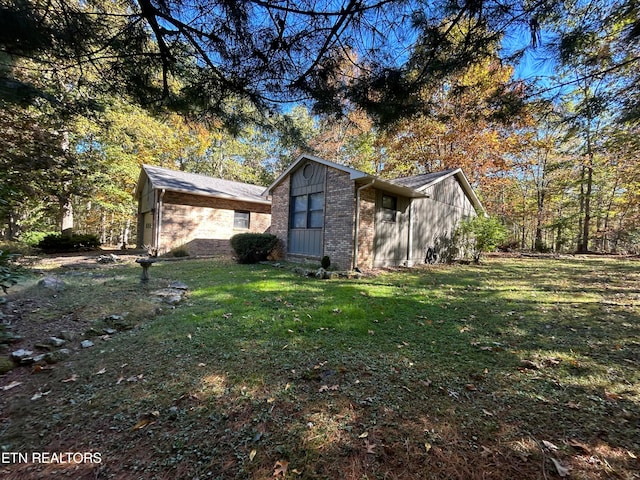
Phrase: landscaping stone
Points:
(58, 355)
(56, 342)
(179, 286)
(68, 335)
(21, 354)
(87, 344)
(52, 283)
(172, 296)
(109, 331)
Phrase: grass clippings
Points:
(517, 368)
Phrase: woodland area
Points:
(538, 103)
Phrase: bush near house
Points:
(60, 243)
(253, 247)
(480, 234)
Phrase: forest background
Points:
(536, 101)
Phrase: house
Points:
(196, 212)
(359, 220)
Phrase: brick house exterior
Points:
(366, 221)
(196, 212)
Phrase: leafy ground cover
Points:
(517, 368)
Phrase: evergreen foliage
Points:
(253, 247)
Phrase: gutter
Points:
(159, 223)
(357, 229)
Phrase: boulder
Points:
(52, 283)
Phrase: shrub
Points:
(253, 247)
(481, 234)
(325, 262)
(73, 243)
(9, 272)
(177, 252)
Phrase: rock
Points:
(109, 331)
(56, 342)
(20, 355)
(42, 358)
(111, 258)
(58, 355)
(178, 286)
(87, 344)
(52, 283)
(172, 296)
(68, 335)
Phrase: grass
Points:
(517, 368)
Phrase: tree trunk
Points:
(66, 214)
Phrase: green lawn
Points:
(517, 368)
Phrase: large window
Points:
(389, 208)
(307, 210)
(241, 220)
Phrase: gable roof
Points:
(424, 181)
(354, 174)
(195, 184)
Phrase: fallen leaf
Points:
(580, 446)
(252, 455)
(146, 419)
(427, 446)
(39, 395)
(101, 372)
(280, 468)
(487, 413)
(573, 405)
(549, 445)
(612, 396)
(72, 378)
(363, 435)
(561, 469)
(13, 384)
(370, 447)
(631, 454)
(471, 387)
(119, 381)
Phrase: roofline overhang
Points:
(466, 186)
(353, 175)
(213, 195)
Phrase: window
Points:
(307, 211)
(241, 220)
(389, 208)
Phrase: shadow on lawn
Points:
(415, 376)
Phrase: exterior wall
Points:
(339, 218)
(366, 229)
(339, 213)
(436, 219)
(204, 225)
(280, 213)
(391, 238)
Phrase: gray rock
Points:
(21, 354)
(56, 342)
(109, 331)
(42, 358)
(58, 355)
(179, 286)
(87, 344)
(52, 283)
(68, 335)
(111, 258)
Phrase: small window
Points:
(241, 220)
(389, 208)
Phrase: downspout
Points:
(410, 240)
(159, 227)
(357, 229)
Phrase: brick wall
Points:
(339, 219)
(280, 212)
(366, 232)
(204, 225)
